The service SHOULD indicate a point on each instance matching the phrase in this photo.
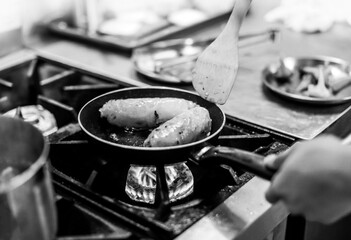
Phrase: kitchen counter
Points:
(249, 101)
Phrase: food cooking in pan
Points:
(189, 126)
(320, 81)
(141, 113)
(169, 121)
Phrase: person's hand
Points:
(313, 179)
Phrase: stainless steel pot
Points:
(27, 206)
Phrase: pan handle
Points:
(235, 158)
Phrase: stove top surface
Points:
(92, 201)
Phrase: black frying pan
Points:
(120, 145)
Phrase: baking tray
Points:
(292, 88)
(67, 28)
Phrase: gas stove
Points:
(96, 198)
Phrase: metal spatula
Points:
(216, 68)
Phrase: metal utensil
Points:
(27, 205)
(216, 68)
(283, 73)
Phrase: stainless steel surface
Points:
(16, 58)
(10, 28)
(248, 99)
(244, 215)
(27, 204)
(10, 41)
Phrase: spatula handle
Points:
(240, 9)
(216, 68)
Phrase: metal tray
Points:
(172, 61)
(169, 61)
(287, 88)
(68, 29)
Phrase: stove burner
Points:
(94, 197)
(36, 115)
(141, 182)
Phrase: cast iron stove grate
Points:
(91, 200)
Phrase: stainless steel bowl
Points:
(285, 88)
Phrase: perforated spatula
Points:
(216, 68)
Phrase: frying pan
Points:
(120, 145)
